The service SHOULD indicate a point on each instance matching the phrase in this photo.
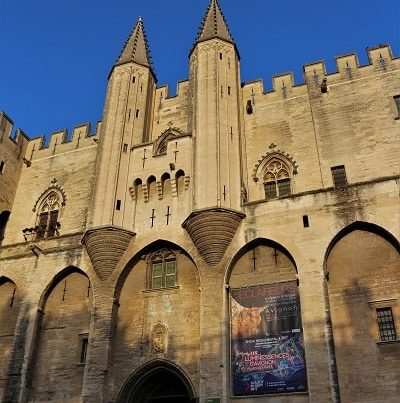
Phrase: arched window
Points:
(276, 178)
(162, 269)
(151, 186)
(47, 221)
(180, 181)
(166, 184)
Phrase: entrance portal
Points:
(157, 383)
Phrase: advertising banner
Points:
(266, 340)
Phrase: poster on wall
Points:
(266, 340)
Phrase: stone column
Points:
(97, 369)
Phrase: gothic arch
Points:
(363, 226)
(142, 254)
(56, 280)
(266, 158)
(161, 143)
(251, 245)
(134, 388)
(62, 335)
(54, 187)
(362, 267)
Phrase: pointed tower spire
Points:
(136, 48)
(214, 25)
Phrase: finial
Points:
(140, 19)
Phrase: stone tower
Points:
(127, 122)
(216, 117)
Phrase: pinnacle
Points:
(214, 25)
(136, 48)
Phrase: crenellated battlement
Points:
(348, 68)
(171, 110)
(15, 143)
(60, 142)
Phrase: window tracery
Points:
(276, 179)
(275, 173)
(47, 220)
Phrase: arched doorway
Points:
(157, 382)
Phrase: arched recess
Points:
(265, 321)
(9, 310)
(4, 215)
(363, 271)
(62, 338)
(180, 182)
(158, 380)
(144, 308)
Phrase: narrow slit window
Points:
(387, 330)
(133, 79)
(118, 206)
(2, 165)
(306, 222)
(339, 176)
(229, 90)
(397, 103)
(137, 113)
(84, 347)
(220, 56)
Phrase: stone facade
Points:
(120, 249)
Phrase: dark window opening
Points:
(133, 79)
(2, 165)
(339, 176)
(84, 347)
(220, 56)
(118, 206)
(397, 103)
(125, 147)
(47, 225)
(137, 113)
(306, 222)
(3, 223)
(387, 330)
(229, 90)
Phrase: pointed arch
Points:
(362, 271)
(143, 254)
(56, 280)
(62, 335)
(151, 374)
(252, 245)
(362, 226)
(275, 170)
(49, 207)
(161, 143)
(55, 189)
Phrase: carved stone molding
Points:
(159, 339)
(212, 231)
(105, 246)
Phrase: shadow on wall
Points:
(9, 311)
(364, 275)
(62, 339)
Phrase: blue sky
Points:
(55, 56)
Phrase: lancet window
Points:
(277, 180)
(47, 220)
